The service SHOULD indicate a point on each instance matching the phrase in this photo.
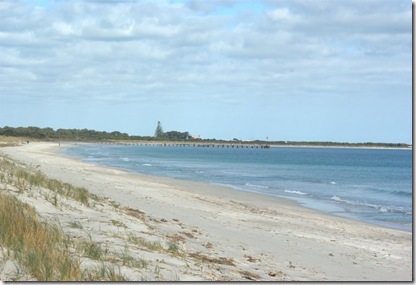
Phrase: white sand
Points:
(267, 238)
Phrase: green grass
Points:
(130, 261)
(75, 225)
(92, 250)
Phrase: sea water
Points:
(371, 185)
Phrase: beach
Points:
(221, 233)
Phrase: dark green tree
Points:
(159, 130)
(175, 135)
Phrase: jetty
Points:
(190, 144)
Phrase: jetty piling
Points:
(189, 144)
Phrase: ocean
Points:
(370, 185)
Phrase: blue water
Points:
(371, 185)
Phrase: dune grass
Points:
(24, 178)
(38, 246)
(43, 250)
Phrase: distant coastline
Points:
(85, 135)
(248, 144)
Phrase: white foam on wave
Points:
(147, 164)
(354, 203)
(295, 192)
(228, 185)
(332, 183)
(380, 208)
(257, 186)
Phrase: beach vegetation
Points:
(118, 224)
(42, 250)
(146, 244)
(104, 272)
(92, 250)
(135, 213)
(128, 260)
(207, 259)
(250, 275)
(114, 204)
(75, 225)
(38, 246)
(174, 249)
(23, 179)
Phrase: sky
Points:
(277, 70)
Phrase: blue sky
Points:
(296, 70)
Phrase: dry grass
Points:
(153, 246)
(24, 178)
(44, 250)
(138, 215)
(250, 275)
(118, 224)
(135, 213)
(13, 141)
(207, 259)
(40, 247)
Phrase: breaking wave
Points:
(380, 208)
(257, 186)
(295, 192)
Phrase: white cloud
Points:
(283, 14)
(126, 51)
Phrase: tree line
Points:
(92, 135)
(61, 134)
(85, 134)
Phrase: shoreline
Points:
(302, 243)
(315, 205)
(214, 190)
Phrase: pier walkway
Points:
(191, 144)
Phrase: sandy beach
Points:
(220, 233)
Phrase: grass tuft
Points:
(37, 246)
(75, 225)
(92, 249)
